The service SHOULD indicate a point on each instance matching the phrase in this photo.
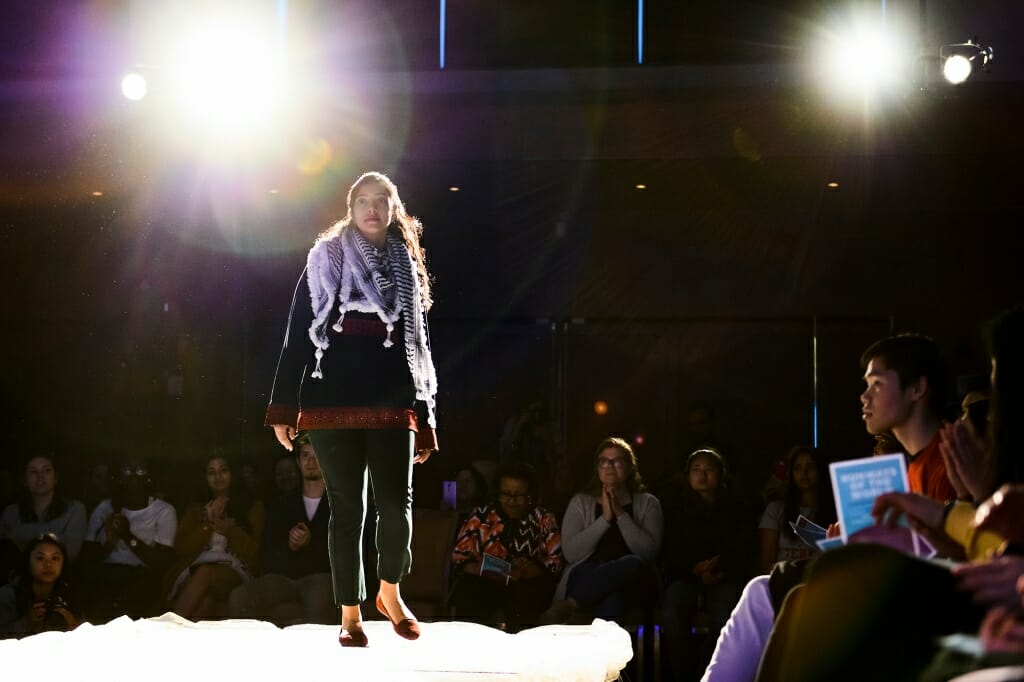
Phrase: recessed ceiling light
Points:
(97, 193)
(453, 188)
(833, 185)
(641, 186)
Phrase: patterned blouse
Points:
(488, 530)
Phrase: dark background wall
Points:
(149, 319)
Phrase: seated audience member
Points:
(128, 545)
(296, 584)
(249, 475)
(37, 600)
(807, 492)
(287, 477)
(470, 492)
(516, 530)
(611, 536)
(217, 544)
(987, 582)
(96, 485)
(707, 558)
(42, 509)
(907, 380)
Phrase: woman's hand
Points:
(422, 455)
(834, 530)
(609, 505)
(1001, 632)
(965, 461)
(920, 511)
(214, 509)
(222, 525)
(37, 616)
(707, 566)
(285, 435)
(69, 618)
(992, 582)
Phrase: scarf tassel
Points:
(388, 342)
(317, 374)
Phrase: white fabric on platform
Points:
(172, 648)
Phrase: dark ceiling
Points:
(546, 123)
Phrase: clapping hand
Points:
(965, 458)
(116, 527)
(37, 616)
(223, 525)
(298, 536)
(214, 509)
(708, 571)
(610, 507)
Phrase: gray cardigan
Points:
(581, 531)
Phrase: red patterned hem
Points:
(281, 414)
(357, 418)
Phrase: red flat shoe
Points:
(347, 638)
(407, 627)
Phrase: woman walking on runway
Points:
(356, 372)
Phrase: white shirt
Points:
(155, 523)
(312, 503)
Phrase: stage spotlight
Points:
(863, 59)
(600, 408)
(958, 60)
(226, 74)
(133, 86)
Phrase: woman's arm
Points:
(551, 544)
(466, 555)
(295, 353)
(579, 540)
(644, 540)
(246, 544)
(193, 533)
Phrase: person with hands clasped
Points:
(128, 545)
(296, 583)
(217, 544)
(611, 535)
(356, 371)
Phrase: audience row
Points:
(694, 550)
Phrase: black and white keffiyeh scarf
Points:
(382, 282)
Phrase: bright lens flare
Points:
(864, 60)
(956, 69)
(133, 86)
(227, 77)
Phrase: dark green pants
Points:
(345, 455)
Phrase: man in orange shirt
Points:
(907, 380)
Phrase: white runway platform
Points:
(171, 648)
